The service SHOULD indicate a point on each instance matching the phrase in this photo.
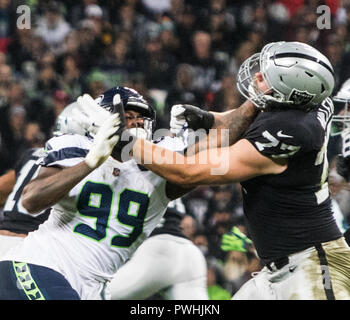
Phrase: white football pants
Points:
(312, 274)
(166, 264)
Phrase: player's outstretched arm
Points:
(53, 183)
(228, 126)
(236, 163)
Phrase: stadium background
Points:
(171, 51)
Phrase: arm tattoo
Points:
(237, 121)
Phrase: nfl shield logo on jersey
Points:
(116, 172)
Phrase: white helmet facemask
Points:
(341, 121)
(143, 133)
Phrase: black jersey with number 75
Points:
(291, 211)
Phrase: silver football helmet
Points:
(296, 75)
(341, 121)
(65, 122)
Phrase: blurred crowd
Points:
(171, 51)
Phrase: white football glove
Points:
(90, 115)
(177, 120)
(104, 142)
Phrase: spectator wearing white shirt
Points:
(52, 28)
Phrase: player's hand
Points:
(194, 117)
(235, 241)
(104, 141)
(90, 115)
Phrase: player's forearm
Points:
(236, 120)
(45, 192)
(189, 171)
(155, 158)
(227, 129)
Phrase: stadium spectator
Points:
(6, 27)
(207, 70)
(216, 281)
(53, 28)
(157, 65)
(182, 90)
(189, 226)
(71, 79)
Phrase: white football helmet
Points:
(296, 74)
(341, 121)
(65, 122)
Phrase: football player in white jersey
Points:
(102, 208)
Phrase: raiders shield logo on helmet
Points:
(300, 97)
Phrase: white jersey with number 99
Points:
(100, 223)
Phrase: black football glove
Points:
(195, 117)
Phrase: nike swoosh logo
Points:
(281, 135)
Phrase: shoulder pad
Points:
(66, 150)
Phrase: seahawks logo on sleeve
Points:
(65, 151)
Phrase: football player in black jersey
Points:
(16, 222)
(172, 266)
(281, 162)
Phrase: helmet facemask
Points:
(341, 121)
(146, 132)
(248, 85)
(148, 117)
